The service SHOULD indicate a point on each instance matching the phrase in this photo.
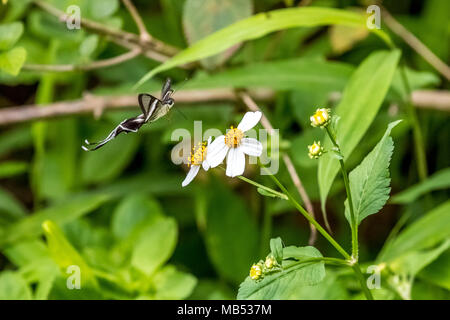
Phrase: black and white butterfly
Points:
(152, 109)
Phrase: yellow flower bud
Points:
(321, 118)
(255, 272)
(270, 262)
(315, 150)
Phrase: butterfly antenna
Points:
(181, 85)
(181, 112)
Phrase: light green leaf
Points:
(200, 19)
(276, 248)
(258, 26)
(88, 46)
(283, 284)
(438, 181)
(171, 284)
(155, 245)
(413, 262)
(360, 103)
(429, 230)
(9, 34)
(12, 168)
(370, 181)
(438, 272)
(12, 61)
(131, 212)
(13, 287)
(65, 255)
(71, 209)
(101, 9)
(288, 74)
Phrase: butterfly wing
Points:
(148, 104)
(166, 91)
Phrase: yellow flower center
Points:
(320, 116)
(315, 148)
(198, 154)
(233, 137)
(255, 272)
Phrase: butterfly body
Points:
(152, 109)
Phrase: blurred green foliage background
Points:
(121, 214)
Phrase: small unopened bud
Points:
(255, 272)
(270, 262)
(321, 118)
(315, 150)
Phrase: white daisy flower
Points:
(235, 145)
(197, 160)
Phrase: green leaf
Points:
(201, 19)
(65, 255)
(71, 209)
(15, 139)
(438, 181)
(413, 262)
(428, 231)
(12, 168)
(155, 245)
(9, 34)
(258, 26)
(11, 206)
(288, 74)
(360, 103)
(88, 46)
(330, 288)
(276, 248)
(108, 163)
(231, 235)
(12, 61)
(370, 181)
(438, 272)
(101, 9)
(283, 284)
(171, 284)
(131, 212)
(266, 193)
(13, 287)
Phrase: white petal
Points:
(190, 176)
(205, 165)
(251, 146)
(216, 152)
(235, 162)
(249, 120)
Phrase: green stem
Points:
(417, 131)
(361, 279)
(266, 230)
(354, 224)
(309, 217)
(258, 185)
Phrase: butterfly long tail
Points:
(91, 146)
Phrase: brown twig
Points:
(428, 99)
(96, 104)
(145, 36)
(86, 67)
(432, 99)
(145, 44)
(416, 44)
(251, 105)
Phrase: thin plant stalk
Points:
(354, 224)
